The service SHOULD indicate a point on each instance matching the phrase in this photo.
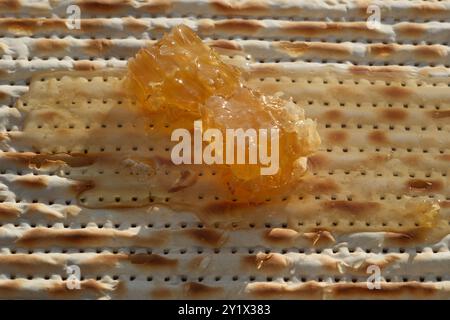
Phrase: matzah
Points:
(74, 192)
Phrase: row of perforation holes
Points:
(251, 278)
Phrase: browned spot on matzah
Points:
(239, 25)
(353, 207)
(219, 208)
(333, 115)
(161, 293)
(415, 289)
(199, 290)
(443, 157)
(337, 136)
(10, 5)
(38, 237)
(247, 7)
(414, 30)
(98, 46)
(322, 186)
(156, 6)
(378, 137)
(430, 52)
(394, 114)
(8, 211)
(100, 261)
(135, 24)
(51, 45)
(317, 161)
(444, 204)
(424, 185)
(440, 114)
(30, 25)
(11, 288)
(206, 236)
(299, 48)
(152, 260)
(381, 50)
(362, 70)
(429, 9)
(3, 95)
(85, 65)
(268, 290)
(93, 25)
(31, 181)
(280, 235)
(397, 93)
(104, 6)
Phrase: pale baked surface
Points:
(378, 192)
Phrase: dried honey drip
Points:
(181, 79)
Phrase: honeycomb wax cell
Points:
(180, 77)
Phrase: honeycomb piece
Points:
(179, 77)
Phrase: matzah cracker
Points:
(377, 192)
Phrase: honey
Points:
(180, 77)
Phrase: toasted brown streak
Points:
(67, 237)
(312, 29)
(161, 293)
(31, 181)
(413, 30)
(157, 6)
(428, 52)
(25, 26)
(238, 25)
(394, 114)
(104, 6)
(51, 46)
(3, 95)
(333, 115)
(378, 137)
(397, 93)
(85, 65)
(299, 48)
(152, 260)
(246, 7)
(221, 208)
(440, 114)
(316, 290)
(409, 289)
(134, 24)
(337, 136)
(280, 235)
(10, 5)
(210, 237)
(199, 290)
(98, 46)
(424, 185)
(382, 50)
(8, 211)
(352, 207)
